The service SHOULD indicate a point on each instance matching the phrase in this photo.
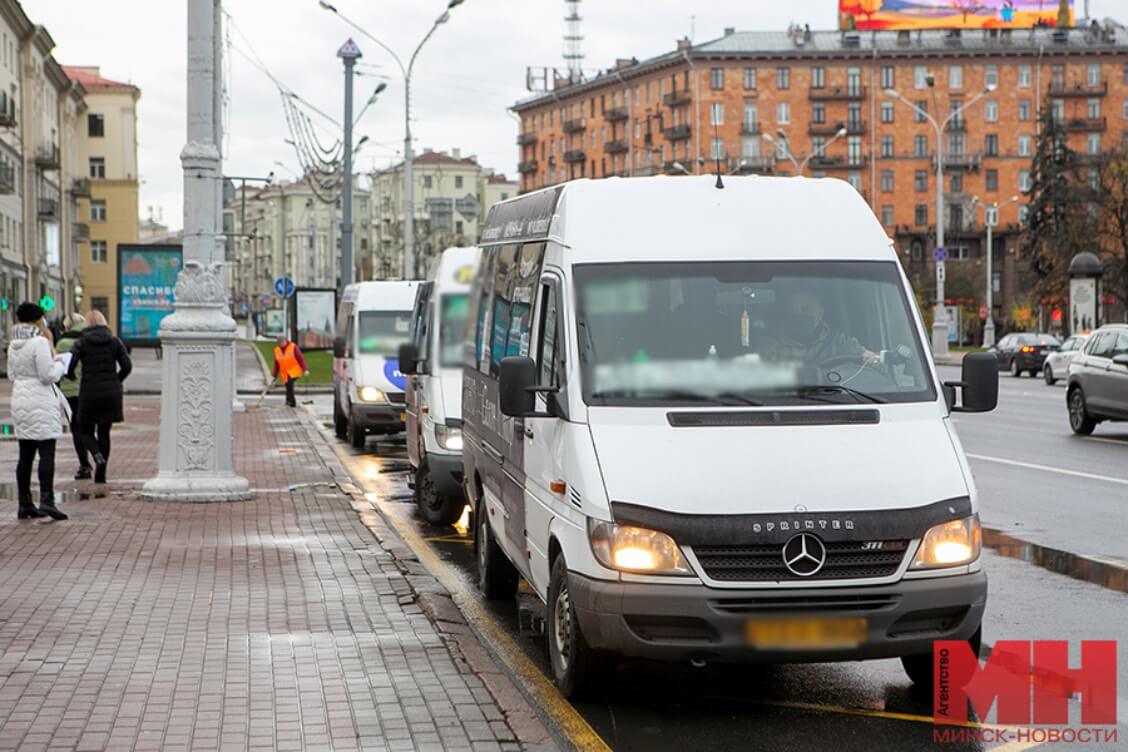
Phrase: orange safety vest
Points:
(288, 367)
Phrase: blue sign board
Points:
(284, 287)
(393, 374)
(941, 254)
(146, 279)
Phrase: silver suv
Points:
(1098, 380)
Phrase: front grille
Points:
(760, 563)
(397, 398)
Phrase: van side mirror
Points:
(979, 384)
(408, 359)
(1121, 359)
(339, 347)
(517, 384)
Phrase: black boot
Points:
(99, 468)
(84, 473)
(47, 506)
(27, 507)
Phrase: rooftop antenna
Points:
(573, 42)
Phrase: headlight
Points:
(449, 437)
(636, 549)
(371, 394)
(950, 544)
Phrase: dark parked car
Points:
(1023, 352)
(1098, 380)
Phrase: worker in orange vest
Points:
(289, 365)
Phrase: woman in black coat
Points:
(105, 364)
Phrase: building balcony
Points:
(526, 138)
(7, 179)
(824, 129)
(47, 157)
(960, 160)
(838, 163)
(615, 147)
(677, 98)
(529, 165)
(615, 114)
(80, 188)
(48, 207)
(751, 165)
(958, 125)
(1086, 125)
(1086, 90)
(576, 155)
(80, 232)
(838, 94)
(574, 126)
(677, 133)
(750, 129)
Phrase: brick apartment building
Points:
(755, 100)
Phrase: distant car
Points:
(1057, 362)
(1098, 380)
(1024, 352)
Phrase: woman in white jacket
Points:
(37, 410)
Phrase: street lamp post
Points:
(408, 149)
(801, 166)
(990, 219)
(939, 314)
(349, 53)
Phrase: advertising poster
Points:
(315, 310)
(866, 15)
(146, 278)
(273, 322)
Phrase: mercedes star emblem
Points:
(804, 554)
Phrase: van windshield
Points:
(748, 333)
(452, 330)
(382, 332)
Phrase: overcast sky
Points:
(472, 69)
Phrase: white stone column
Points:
(197, 372)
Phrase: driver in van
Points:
(805, 336)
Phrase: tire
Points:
(435, 508)
(920, 667)
(340, 422)
(575, 666)
(1048, 375)
(1080, 421)
(1014, 369)
(497, 577)
(356, 435)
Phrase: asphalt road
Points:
(1039, 485)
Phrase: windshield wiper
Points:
(812, 392)
(725, 398)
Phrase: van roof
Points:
(684, 218)
(381, 296)
(456, 268)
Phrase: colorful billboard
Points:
(315, 311)
(866, 15)
(146, 278)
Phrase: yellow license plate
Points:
(809, 634)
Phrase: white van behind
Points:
(373, 320)
(432, 361)
(704, 426)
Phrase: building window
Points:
(887, 181)
(887, 150)
(783, 112)
(1025, 146)
(427, 182)
(1057, 110)
(457, 229)
(991, 145)
(920, 113)
(887, 110)
(887, 215)
(818, 113)
(718, 149)
(749, 78)
(991, 111)
(95, 125)
(1094, 74)
(920, 146)
(98, 168)
(916, 250)
(818, 146)
(991, 75)
(957, 182)
(1023, 213)
(718, 114)
(920, 181)
(1024, 109)
(1126, 109)
(920, 77)
(97, 211)
(1094, 143)
(1094, 109)
(783, 78)
(99, 304)
(855, 181)
(1024, 183)
(98, 254)
(818, 77)
(717, 78)
(1024, 76)
(920, 216)
(750, 118)
(458, 178)
(854, 150)
(992, 181)
(888, 77)
(955, 76)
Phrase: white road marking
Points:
(1047, 469)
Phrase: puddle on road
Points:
(1108, 574)
(9, 492)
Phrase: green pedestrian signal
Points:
(47, 303)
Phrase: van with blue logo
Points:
(373, 320)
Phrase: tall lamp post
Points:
(801, 166)
(939, 315)
(990, 219)
(408, 150)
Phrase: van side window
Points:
(529, 263)
(482, 310)
(349, 338)
(549, 336)
(504, 277)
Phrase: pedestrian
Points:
(289, 366)
(105, 365)
(38, 408)
(69, 388)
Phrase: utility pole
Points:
(349, 53)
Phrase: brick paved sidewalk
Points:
(279, 623)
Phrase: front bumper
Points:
(686, 622)
(380, 416)
(446, 473)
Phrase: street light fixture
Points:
(940, 314)
(408, 150)
(990, 219)
(681, 168)
(801, 166)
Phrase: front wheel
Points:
(433, 506)
(575, 666)
(355, 432)
(1080, 421)
(497, 577)
(920, 667)
(340, 422)
(1048, 375)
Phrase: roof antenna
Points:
(717, 156)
